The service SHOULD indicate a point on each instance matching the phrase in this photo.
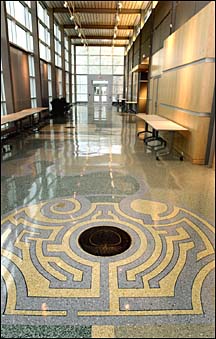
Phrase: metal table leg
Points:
(169, 148)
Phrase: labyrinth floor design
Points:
(47, 275)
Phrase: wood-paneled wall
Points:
(157, 63)
(190, 87)
(193, 41)
(186, 85)
(44, 83)
(20, 79)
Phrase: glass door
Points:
(100, 93)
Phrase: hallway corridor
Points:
(88, 169)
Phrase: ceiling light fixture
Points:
(117, 18)
(77, 23)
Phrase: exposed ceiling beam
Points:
(110, 45)
(98, 37)
(97, 10)
(125, 27)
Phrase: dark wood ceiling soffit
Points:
(102, 37)
(125, 27)
(97, 10)
(99, 44)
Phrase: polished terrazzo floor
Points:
(87, 169)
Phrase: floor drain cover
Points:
(104, 241)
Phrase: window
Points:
(82, 69)
(44, 32)
(66, 54)
(106, 69)
(57, 39)
(59, 82)
(106, 60)
(99, 61)
(67, 87)
(20, 24)
(82, 88)
(49, 86)
(3, 99)
(94, 60)
(32, 81)
(72, 71)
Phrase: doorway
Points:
(100, 91)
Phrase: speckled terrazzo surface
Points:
(81, 172)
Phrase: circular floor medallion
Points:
(104, 241)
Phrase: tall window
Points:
(3, 99)
(59, 82)
(73, 75)
(82, 88)
(66, 54)
(44, 32)
(66, 69)
(32, 81)
(67, 87)
(20, 24)
(57, 39)
(50, 86)
(99, 61)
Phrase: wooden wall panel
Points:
(190, 87)
(157, 63)
(192, 41)
(150, 94)
(44, 83)
(20, 79)
(142, 100)
(192, 143)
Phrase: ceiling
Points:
(97, 20)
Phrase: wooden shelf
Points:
(140, 68)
